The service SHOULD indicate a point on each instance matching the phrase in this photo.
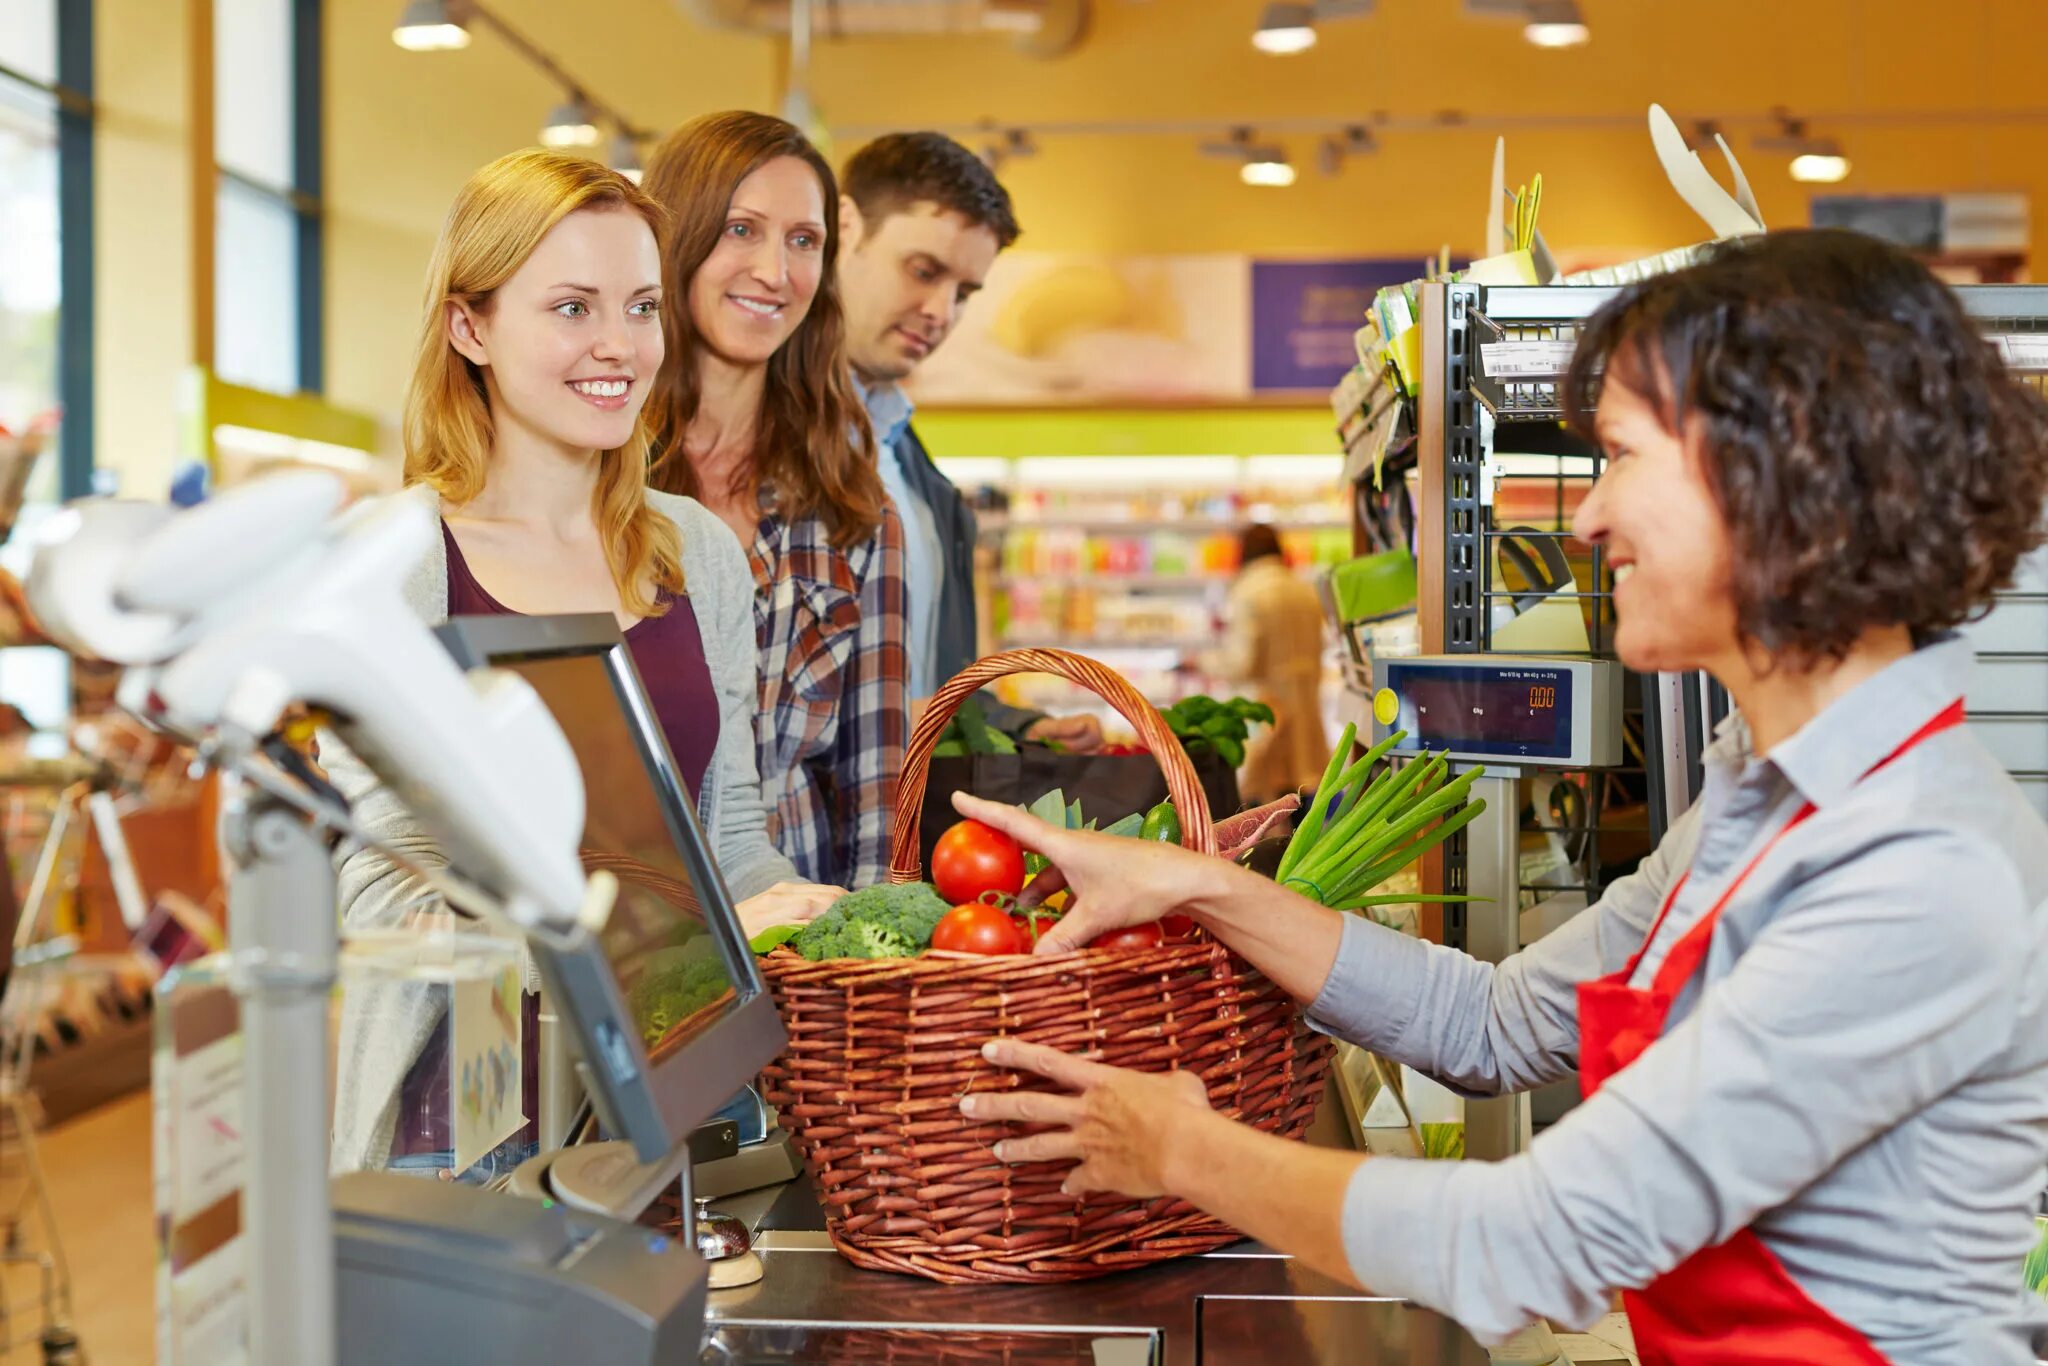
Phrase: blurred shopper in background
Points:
(1273, 651)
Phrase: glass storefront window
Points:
(256, 263)
(28, 266)
(28, 38)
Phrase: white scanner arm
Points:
(229, 613)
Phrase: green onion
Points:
(1337, 849)
(1396, 855)
(1404, 898)
(1312, 824)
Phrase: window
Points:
(267, 217)
(31, 244)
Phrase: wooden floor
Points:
(98, 1169)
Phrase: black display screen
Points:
(1521, 712)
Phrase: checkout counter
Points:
(805, 1303)
(1241, 1305)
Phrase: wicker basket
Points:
(881, 1052)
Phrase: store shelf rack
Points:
(1493, 359)
(1492, 362)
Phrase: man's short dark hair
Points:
(1875, 461)
(893, 173)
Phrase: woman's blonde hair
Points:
(497, 220)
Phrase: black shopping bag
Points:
(1108, 786)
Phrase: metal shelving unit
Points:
(1475, 404)
(2009, 695)
(1600, 822)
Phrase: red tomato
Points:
(1130, 937)
(1023, 924)
(978, 928)
(1177, 926)
(972, 859)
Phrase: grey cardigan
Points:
(385, 1026)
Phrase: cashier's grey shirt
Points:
(1859, 1073)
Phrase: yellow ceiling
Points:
(405, 128)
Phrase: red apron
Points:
(1733, 1304)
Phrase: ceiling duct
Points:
(1042, 28)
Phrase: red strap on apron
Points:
(1734, 1303)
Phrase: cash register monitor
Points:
(672, 1013)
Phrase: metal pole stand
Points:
(1498, 1127)
(284, 950)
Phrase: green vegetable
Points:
(970, 733)
(1162, 823)
(1361, 830)
(1127, 827)
(1204, 723)
(768, 940)
(675, 984)
(1055, 810)
(875, 922)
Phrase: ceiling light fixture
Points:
(1356, 140)
(1556, 23)
(430, 26)
(1821, 167)
(1270, 169)
(1289, 26)
(1007, 145)
(1815, 160)
(1258, 163)
(573, 124)
(1545, 23)
(1285, 29)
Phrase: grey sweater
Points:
(384, 1026)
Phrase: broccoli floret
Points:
(874, 922)
(676, 983)
(878, 942)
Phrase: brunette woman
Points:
(755, 414)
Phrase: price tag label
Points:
(2024, 351)
(1526, 359)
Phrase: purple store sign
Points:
(1304, 314)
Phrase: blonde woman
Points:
(523, 435)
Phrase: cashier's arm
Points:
(1880, 983)
(1483, 1028)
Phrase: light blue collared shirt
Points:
(924, 561)
(1859, 1072)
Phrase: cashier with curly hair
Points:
(1812, 1029)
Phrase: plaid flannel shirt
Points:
(834, 712)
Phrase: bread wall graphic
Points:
(1057, 327)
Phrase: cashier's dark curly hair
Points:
(1875, 461)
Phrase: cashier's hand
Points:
(1111, 881)
(1079, 734)
(786, 903)
(1123, 1128)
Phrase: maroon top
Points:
(668, 652)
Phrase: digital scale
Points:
(1492, 709)
(1509, 713)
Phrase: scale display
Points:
(1522, 712)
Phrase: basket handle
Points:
(1192, 804)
